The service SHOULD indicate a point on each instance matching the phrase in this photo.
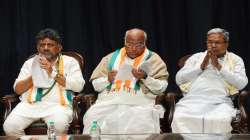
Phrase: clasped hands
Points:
(138, 74)
(214, 60)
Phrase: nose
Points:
(133, 47)
(214, 44)
(46, 47)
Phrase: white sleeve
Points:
(189, 71)
(74, 79)
(155, 85)
(237, 76)
(24, 72)
(100, 84)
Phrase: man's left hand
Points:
(60, 79)
(139, 74)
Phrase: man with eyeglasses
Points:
(128, 81)
(207, 80)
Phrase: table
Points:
(165, 136)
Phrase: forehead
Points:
(215, 36)
(135, 36)
(47, 40)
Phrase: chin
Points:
(220, 55)
(132, 57)
(49, 57)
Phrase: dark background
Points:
(95, 28)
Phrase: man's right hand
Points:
(111, 76)
(23, 85)
(205, 61)
(45, 64)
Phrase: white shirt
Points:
(51, 102)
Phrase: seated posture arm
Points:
(123, 96)
(208, 78)
(46, 84)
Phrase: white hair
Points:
(145, 35)
(220, 31)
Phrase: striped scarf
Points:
(228, 61)
(36, 94)
(117, 60)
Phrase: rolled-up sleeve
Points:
(74, 79)
(100, 84)
(25, 72)
(155, 85)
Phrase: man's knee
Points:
(61, 126)
(11, 127)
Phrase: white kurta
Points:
(123, 112)
(207, 108)
(50, 103)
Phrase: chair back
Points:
(77, 56)
(182, 60)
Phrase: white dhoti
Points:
(203, 118)
(24, 114)
(124, 119)
(206, 136)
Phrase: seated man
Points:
(45, 83)
(207, 80)
(128, 81)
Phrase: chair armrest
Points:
(7, 101)
(85, 101)
(240, 122)
(241, 103)
(170, 99)
(159, 99)
(88, 100)
(76, 122)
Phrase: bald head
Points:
(135, 40)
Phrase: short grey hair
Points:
(145, 35)
(224, 32)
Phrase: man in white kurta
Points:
(128, 106)
(207, 80)
(64, 79)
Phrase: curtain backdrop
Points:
(95, 28)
